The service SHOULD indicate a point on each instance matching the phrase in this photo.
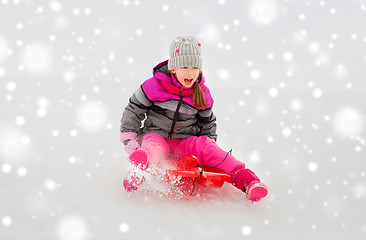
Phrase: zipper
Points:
(176, 114)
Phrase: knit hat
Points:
(185, 52)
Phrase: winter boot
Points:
(139, 158)
(255, 190)
(246, 180)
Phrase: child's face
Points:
(186, 75)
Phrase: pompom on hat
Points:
(185, 52)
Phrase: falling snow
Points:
(73, 228)
(7, 221)
(288, 82)
(124, 227)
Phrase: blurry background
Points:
(288, 80)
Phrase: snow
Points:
(247, 230)
(73, 228)
(36, 58)
(7, 221)
(263, 11)
(348, 121)
(3, 49)
(288, 83)
(92, 115)
(288, 56)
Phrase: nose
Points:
(190, 72)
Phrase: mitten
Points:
(130, 142)
(131, 146)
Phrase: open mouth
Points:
(188, 80)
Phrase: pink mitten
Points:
(130, 142)
(131, 146)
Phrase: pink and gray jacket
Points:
(165, 107)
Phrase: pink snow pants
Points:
(205, 149)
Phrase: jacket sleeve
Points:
(134, 113)
(207, 123)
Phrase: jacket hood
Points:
(162, 73)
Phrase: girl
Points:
(175, 107)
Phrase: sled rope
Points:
(201, 172)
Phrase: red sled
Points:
(190, 167)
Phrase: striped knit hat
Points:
(185, 52)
